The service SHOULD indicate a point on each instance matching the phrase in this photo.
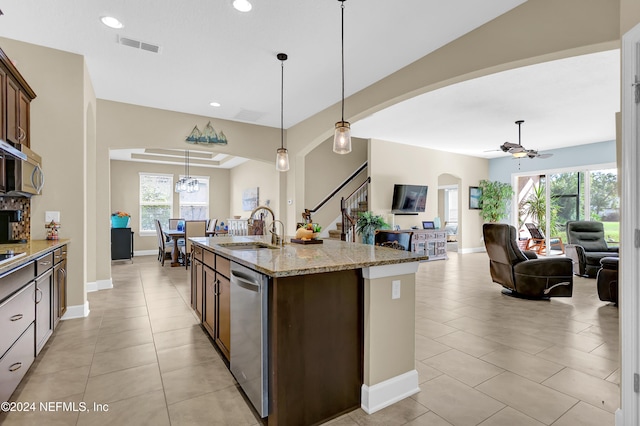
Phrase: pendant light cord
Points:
(282, 104)
(342, 41)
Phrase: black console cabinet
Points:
(121, 244)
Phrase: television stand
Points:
(432, 242)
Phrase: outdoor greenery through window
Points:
(578, 195)
(156, 200)
(195, 205)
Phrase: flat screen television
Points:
(409, 199)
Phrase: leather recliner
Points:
(522, 273)
(607, 280)
(586, 246)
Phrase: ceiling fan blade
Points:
(544, 155)
(511, 145)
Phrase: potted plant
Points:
(495, 199)
(367, 224)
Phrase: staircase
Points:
(361, 206)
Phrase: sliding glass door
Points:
(550, 200)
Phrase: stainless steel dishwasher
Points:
(249, 358)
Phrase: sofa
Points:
(587, 246)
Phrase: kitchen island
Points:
(332, 325)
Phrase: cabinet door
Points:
(23, 118)
(44, 302)
(209, 309)
(223, 338)
(12, 93)
(3, 97)
(59, 291)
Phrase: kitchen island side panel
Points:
(316, 346)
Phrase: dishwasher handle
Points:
(245, 282)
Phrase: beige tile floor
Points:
(483, 358)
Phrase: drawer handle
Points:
(38, 300)
(45, 262)
(16, 317)
(58, 256)
(14, 367)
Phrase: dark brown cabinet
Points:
(16, 100)
(3, 108)
(59, 284)
(210, 295)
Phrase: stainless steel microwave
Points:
(23, 172)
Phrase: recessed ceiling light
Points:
(112, 22)
(214, 104)
(242, 5)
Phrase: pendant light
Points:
(187, 183)
(282, 155)
(342, 137)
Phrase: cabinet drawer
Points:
(44, 263)
(15, 363)
(209, 259)
(15, 279)
(197, 252)
(16, 313)
(223, 266)
(60, 254)
(420, 236)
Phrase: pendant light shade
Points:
(187, 183)
(342, 137)
(282, 155)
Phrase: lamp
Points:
(342, 137)
(187, 183)
(282, 155)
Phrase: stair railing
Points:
(306, 215)
(350, 207)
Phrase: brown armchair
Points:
(522, 273)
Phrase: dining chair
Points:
(164, 247)
(192, 228)
(212, 225)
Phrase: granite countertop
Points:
(32, 249)
(300, 259)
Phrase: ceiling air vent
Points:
(138, 44)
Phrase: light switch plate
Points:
(395, 289)
(51, 216)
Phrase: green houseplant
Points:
(367, 224)
(536, 206)
(494, 200)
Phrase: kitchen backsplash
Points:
(21, 230)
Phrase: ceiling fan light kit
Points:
(518, 151)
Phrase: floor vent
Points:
(139, 44)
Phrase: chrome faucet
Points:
(275, 238)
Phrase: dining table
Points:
(176, 235)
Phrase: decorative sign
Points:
(208, 136)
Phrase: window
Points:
(195, 205)
(156, 200)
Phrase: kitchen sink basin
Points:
(9, 255)
(257, 245)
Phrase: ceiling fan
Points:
(518, 151)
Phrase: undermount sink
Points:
(10, 255)
(257, 245)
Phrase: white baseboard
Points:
(76, 311)
(145, 252)
(383, 394)
(99, 285)
(472, 250)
